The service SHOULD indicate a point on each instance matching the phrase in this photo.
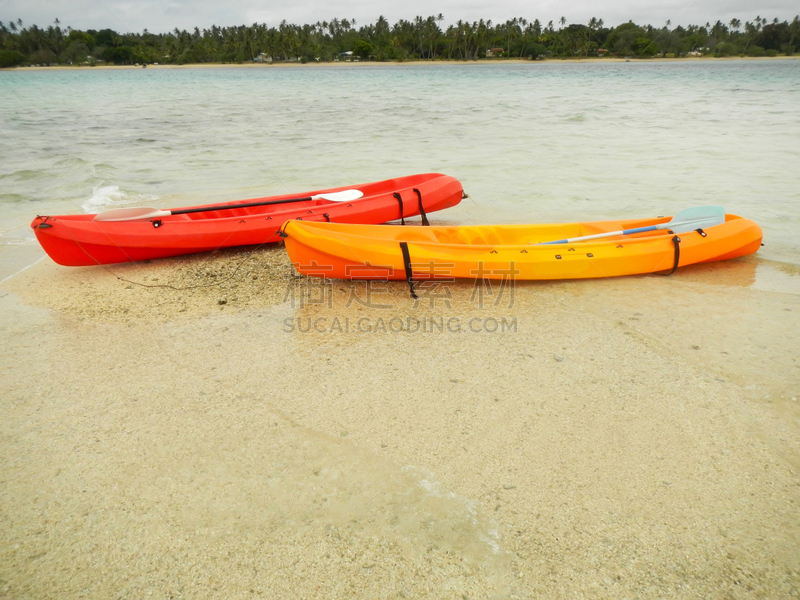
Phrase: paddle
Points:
(690, 219)
(133, 214)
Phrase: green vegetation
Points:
(422, 38)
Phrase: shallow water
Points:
(624, 437)
(530, 142)
(632, 434)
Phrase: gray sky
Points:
(165, 15)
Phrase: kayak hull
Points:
(509, 251)
(79, 240)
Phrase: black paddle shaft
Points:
(183, 211)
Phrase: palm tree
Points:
(794, 29)
(523, 23)
(719, 30)
(465, 31)
(381, 30)
(510, 25)
(434, 33)
(563, 21)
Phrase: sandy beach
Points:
(337, 64)
(166, 433)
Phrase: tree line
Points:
(423, 38)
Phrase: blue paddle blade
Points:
(697, 217)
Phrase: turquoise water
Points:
(530, 142)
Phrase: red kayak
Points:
(131, 234)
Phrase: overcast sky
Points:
(165, 15)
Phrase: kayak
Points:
(129, 234)
(522, 252)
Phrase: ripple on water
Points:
(696, 132)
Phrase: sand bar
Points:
(635, 437)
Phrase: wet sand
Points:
(634, 437)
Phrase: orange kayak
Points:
(523, 252)
(82, 240)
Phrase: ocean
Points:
(538, 142)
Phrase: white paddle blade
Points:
(343, 196)
(130, 214)
(697, 217)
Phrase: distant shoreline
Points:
(509, 61)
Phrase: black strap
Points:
(407, 264)
(701, 232)
(421, 208)
(676, 241)
(400, 201)
(326, 217)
